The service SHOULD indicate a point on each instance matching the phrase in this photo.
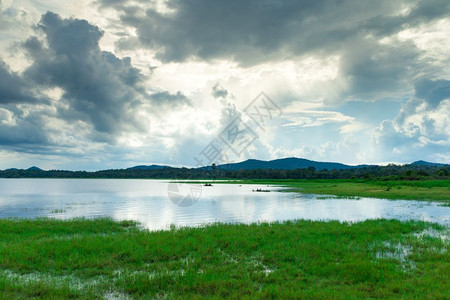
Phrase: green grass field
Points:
(304, 259)
(431, 190)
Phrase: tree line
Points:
(389, 172)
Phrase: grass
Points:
(430, 190)
(100, 258)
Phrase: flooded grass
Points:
(430, 190)
(100, 258)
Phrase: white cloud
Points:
(420, 131)
(310, 118)
(7, 117)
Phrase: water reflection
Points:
(146, 201)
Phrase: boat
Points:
(261, 190)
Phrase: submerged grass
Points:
(101, 258)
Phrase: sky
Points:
(103, 84)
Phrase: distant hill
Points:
(151, 167)
(290, 163)
(285, 164)
(428, 164)
(34, 168)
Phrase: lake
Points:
(157, 204)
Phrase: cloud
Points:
(228, 110)
(92, 96)
(99, 87)
(433, 91)
(311, 118)
(11, 18)
(13, 88)
(346, 150)
(411, 14)
(168, 98)
(67, 96)
(254, 30)
(374, 71)
(219, 92)
(422, 128)
(373, 62)
(25, 128)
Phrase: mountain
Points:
(34, 168)
(151, 167)
(284, 164)
(428, 164)
(290, 163)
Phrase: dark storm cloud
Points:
(27, 133)
(111, 3)
(374, 71)
(252, 31)
(101, 90)
(433, 91)
(13, 88)
(99, 87)
(421, 12)
(168, 98)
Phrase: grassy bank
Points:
(432, 190)
(101, 258)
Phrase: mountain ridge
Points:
(148, 167)
(287, 163)
(426, 163)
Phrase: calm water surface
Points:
(147, 201)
